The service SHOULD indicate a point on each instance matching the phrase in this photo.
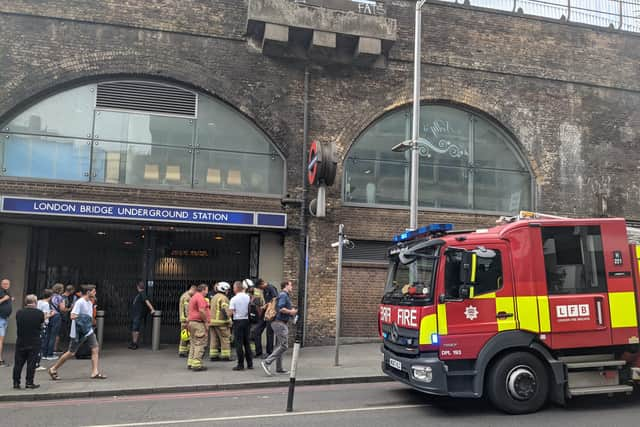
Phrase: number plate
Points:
(395, 364)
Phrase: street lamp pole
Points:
(415, 128)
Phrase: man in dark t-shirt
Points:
(5, 312)
(139, 308)
(29, 321)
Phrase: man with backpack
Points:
(285, 312)
(269, 292)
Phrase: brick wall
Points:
(568, 94)
(361, 293)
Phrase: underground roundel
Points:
(471, 312)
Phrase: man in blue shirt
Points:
(280, 329)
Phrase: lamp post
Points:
(415, 128)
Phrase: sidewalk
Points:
(144, 371)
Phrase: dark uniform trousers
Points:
(28, 355)
(241, 334)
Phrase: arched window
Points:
(466, 163)
(141, 134)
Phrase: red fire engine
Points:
(536, 309)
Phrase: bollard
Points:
(100, 326)
(155, 331)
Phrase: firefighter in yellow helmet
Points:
(220, 324)
(183, 308)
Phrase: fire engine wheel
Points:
(518, 383)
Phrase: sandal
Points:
(98, 377)
(53, 374)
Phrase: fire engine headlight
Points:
(422, 373)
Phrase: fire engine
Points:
(536, 309)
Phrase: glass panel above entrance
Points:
(142, 133)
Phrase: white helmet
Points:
(247, 283)
(223, 287)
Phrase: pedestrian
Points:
(44, 305)
(68, 298)
(29, 323)
(6, 301)
(81, 332)
(220, 325)
(183, 347)
(139, 307)
(269, 292)
(55, 320)
(284, 311)
(256, 306)
(199, 316)
(239, 310)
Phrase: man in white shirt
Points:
(81, 332)
(239, 309)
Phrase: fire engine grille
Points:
(402, 340)
(146, 96)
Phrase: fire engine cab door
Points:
(578, 301)
(466, 325)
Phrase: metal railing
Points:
(617, 14)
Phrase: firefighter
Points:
(220, 324)
(255, 314)
(199, 318)
(183, 348)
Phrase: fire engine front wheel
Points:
(518, 383)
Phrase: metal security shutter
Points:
(146, 96)
(367, 251)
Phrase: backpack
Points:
(270, 313)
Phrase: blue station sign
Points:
(135, 212)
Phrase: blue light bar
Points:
(422, 232)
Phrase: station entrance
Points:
(115, 257)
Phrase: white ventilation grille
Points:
(146, 96)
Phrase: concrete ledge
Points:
(316, 18)
(24, 397)
(276, 39)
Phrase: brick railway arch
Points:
(42, 82)
(473, 164)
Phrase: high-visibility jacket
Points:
(184, 307)
(219, 306)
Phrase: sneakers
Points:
(133, 346)
(266, 369)
(238, 368)
(282, 371)
(50, 358)
(250, 367)
(16, 386)
(32, 386)
(41, 368)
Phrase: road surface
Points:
(366, 405)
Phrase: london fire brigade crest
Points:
(471, 312)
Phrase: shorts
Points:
(4, 322)
(136, 323)
(75, 344)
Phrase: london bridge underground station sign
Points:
(135, 212)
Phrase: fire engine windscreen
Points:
(411, 278)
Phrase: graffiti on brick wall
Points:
(366, 7)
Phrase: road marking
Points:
(256, 417)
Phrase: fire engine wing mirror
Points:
(406, 257)
(468, 268)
